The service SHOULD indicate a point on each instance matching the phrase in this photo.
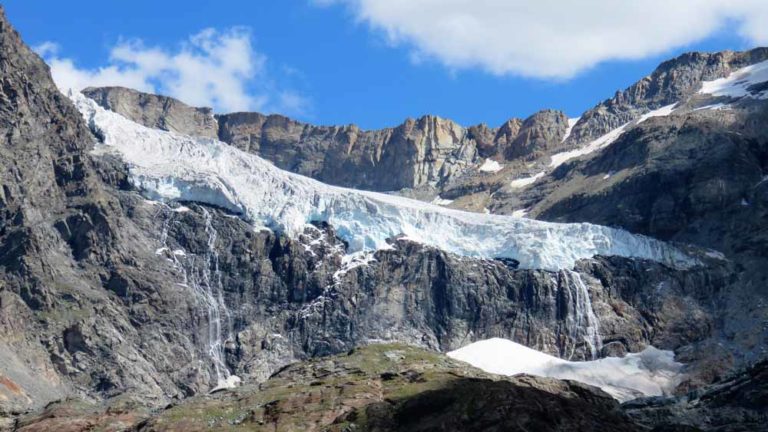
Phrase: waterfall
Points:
(200, 273)
(581, 319)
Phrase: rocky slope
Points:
(673, 81)
(737, 403)
(375, 388)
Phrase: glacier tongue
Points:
(169, 166)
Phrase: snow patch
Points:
(229, 382)
(571, 123)
(441, 201)
(604, 141)
(167, 166)
(738, 83)
(525, 181)
(490, 166)
(519, 213)
(652, 372)
(660, 112)
(714, 107)
(714, 254)
(353, 261)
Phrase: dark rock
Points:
(738, 403)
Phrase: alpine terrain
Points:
(165, 268)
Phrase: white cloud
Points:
(553, 38)
(211, 68)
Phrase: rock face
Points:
(541, 132)
(45, 178)
(418, 152)
(156, 111)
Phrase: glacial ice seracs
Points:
(168, 166)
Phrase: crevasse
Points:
(169, 166)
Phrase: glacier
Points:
(167, 166)
(651, 372)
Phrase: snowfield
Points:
(490, 166)
(651, 372)
(166, 166)
(525, 181)
(571, 123)
(743, 82)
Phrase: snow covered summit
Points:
(169, 166)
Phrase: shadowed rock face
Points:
(737, 403)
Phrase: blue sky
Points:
(333, 63)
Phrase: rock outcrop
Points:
(156, 111)
(538, 134)
(737, 403)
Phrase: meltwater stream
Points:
(201, 275)
(581, 321)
